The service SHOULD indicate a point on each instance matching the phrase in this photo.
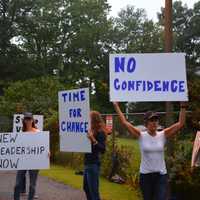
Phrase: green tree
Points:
(70, 37)
(39, 96)
(134, 33)
(86, 57)
(186, 33)
(13, 60)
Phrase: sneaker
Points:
(36, 197)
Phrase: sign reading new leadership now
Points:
(24, 151)
(148, 77)
(18, 118)
(74, 117)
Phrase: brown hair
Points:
(24, 128)
(97, 123)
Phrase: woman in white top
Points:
(153, 173)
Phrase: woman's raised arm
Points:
(131, 129)
(173, 129)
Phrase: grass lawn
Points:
(108, 190)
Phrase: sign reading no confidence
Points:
(74, 123)
(24, 151)
(148, 77)
(18, 118)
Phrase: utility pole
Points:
(168, 48)
(168, 26)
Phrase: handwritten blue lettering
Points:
(120, 64)
(74, 112)
(157, 86)
(131, 65)
(174, 86)
(116, 84)
(74, 127)
(181, 86)
(74, 96)
(150, 86)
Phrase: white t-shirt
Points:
(152, 153)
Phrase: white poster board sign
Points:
(25, 150)
(74, 111)
(148, 77)
(18, 118)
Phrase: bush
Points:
(52, 125)
(73, 160)
(184, 183)
(123, 163)
(39, 96)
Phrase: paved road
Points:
(47, 189)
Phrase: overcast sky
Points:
(151, 6)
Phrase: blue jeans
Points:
(91, 181)
(23, 188)
(153, 186)
(19, 183)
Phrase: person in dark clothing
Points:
(23, 187)
(97, 135)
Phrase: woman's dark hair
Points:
(97, 123)
(24, 128)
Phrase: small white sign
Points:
(109, 122)
(148, 77)
(74, 111)
(18, 118)
(24, 151)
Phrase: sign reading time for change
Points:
(148, 77)
(74, 120)
(20, 151)
(18, 118)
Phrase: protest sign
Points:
(74, 123)
(148, 77)
(27, 150)
(18, 118)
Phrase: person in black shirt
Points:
(97, 135)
